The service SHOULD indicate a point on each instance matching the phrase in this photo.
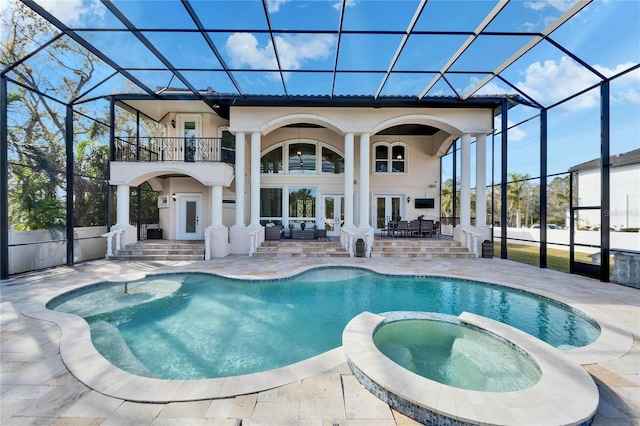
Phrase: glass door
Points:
(387, 208)
(188, 217)
(333, 213)
(190, 131)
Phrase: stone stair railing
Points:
(348, 239)
(472, 241)
(110, 236)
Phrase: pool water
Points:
(456, 355)
(190, 326)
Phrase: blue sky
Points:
(545, 73)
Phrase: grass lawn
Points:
(556, 259)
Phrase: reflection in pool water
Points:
(188, 326)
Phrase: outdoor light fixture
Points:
(408, 199)
(173, 123)
(173, 196)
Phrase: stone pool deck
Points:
(37, 388)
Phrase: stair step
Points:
(162, 250)
(400, 248)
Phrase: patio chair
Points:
(403, 228)
(414, 228)
(427, 228)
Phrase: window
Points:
(332, 162)
(390, 158)
(271, 204)
(302, 158)
(302, 204)
(271, 162)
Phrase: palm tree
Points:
(516, 189)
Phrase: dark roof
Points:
(631, 157)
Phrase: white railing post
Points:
(253, 240)
(117, 233)
(369, 238)
(472, 241)
(207, 243)
(348, 241)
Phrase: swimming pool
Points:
(188, 326)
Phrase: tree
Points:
(518, 187)
(36, 123)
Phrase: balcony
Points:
(162, 149)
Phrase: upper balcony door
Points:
(190, 128)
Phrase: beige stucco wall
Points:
(422, 163)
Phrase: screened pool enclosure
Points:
(85, 84)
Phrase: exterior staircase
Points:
(297, 248)
(162, 250)
(420, 248)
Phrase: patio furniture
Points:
(403, 228)
(308, 233)
(414, 229)
(427, 228)
(390, 229)
(273, 232)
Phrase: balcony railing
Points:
(156, 149)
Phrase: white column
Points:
(348, 179)
(240, 167)
(481, 181)
(122, 215)
(255, 179)
(364, 180)
(216, 206)
(465, 181)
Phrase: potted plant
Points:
(398, 218)
(421, 218)
(360, 247)
(487, 249)
(303, 225)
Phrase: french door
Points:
(387, 208)
(332, 213)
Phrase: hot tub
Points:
(419, 363)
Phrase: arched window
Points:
(302, 157)
(390, 157)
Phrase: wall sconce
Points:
(173, 196)
(173, 123)
(408, 199)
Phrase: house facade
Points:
(624, 197)
(346, 170)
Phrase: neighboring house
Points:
(224, 170)
(624, 197)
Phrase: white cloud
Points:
(561, 5)
(338, 5)
(293, 50)
(550, 82)
(610, 72)
(71, 11)
(631, 95)
(491, 88)
(274, 5)
(515, 134)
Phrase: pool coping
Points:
(564, 395)
(91, 368)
